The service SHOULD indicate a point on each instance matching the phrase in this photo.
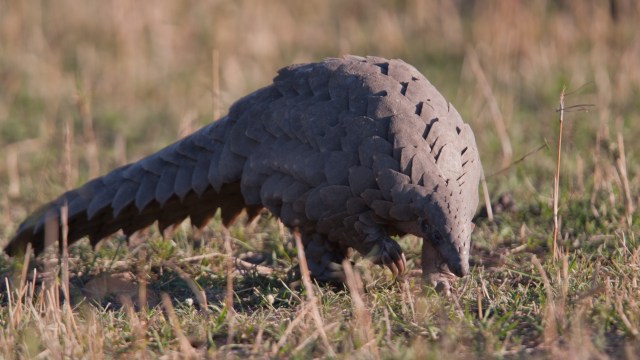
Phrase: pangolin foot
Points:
(389, 253)
(440, 282)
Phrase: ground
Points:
(82, 94)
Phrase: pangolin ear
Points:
(473, 226)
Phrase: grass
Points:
(134, 79)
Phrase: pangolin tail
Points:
(186, 179)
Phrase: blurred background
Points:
(128, 77)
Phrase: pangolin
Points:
(348, 152)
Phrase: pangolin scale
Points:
(347, 151)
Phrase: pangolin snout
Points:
(451, 250)
(459, 269)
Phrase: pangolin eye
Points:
(425, 225)
(436, 238)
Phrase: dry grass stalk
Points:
(496, 114)
(12, 172)
(387, 324)
(479, 301)
(10, 306)
(142, 279)
(621, 168)
(631, 328)
(69, 319)
(70, 175)
(25, 266)
(202, 257)
(65, 256)
(255, 349)
(246, 266)
(550, 322)
(187, 121)
(408, 299)
(565, 286)
(215, 74)
(292, 325)
(50, 238)
(228, 298)
(186, 349)
(95, 338)
(51, 327)
(84, 108)
(12, 152)
(198, 292)
(362, 325)
(120, 149)
(138, 327)
(556, 180)
(311, 298)
(240, 264)
(64, 212)
(580, 344)
(487, 197)
(313, 337)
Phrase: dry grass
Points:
(86, 86)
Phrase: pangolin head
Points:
(452, 241)
(445, 222)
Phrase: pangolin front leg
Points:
(378, 246)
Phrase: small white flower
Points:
(189, 301)
(271, 299)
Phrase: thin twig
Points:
(521, 159)
(578, 107)
(202, 257)
(579, 88)
(240, 264)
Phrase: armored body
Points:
(347, 151)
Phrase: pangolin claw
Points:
(389, 253)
